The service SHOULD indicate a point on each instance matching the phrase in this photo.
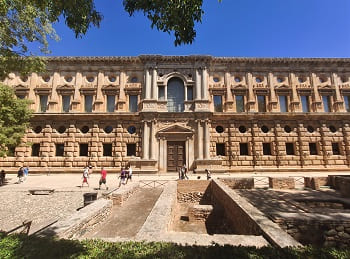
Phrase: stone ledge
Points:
(81, 220)
(270, 230)
(120, 195)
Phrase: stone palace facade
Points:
(160, 112)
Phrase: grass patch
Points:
(21, 246)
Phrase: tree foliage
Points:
(26, 21)
(14, 119)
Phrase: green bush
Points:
(21, 246)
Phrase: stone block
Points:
(281, 183)
(199, 212)
(239, 183)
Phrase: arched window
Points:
(175, 95)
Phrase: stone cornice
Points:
(144, 59)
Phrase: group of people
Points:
(125, 176)
(183, 173)
(22, 173)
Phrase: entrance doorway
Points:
(176, 155)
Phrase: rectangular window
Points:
(239, 103)
(83, 149)
(313, 148)
(243, 149)
(131, 149)
(218, 103)
(36, 149)
(347, 103)
(290, 149)
(335, 148)
(133, 103)
(261, 103)
(59, 149)
(107, 149)
(283, 99)
(110, 103)
(11, 151)
(161, 92)
(305, 103)
(326, 99)
(65, 103)
(21, 96)
(43, 103)
(267, 149)
(220, 149)
(189, 93)
(88, 103)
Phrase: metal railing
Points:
(153, 183)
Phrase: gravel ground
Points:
(18, 206)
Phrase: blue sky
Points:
(244, 28)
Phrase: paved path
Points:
(126, 221)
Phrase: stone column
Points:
(206, 140)
(153, 141)
(145, 141)
(198, 86)
(294, 97)
(122, 98)
(317, 98)
(31, 95)
(204, 84)
(251, 95)
(199, 140)
(337, 100)
(147, 85)
(154, 84)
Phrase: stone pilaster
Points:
(204, 84)
(53, 100)
(229, 96)
(251, 95)
(198, 86)
(206, 141)
(154, 84)
(145, 141)
(147, 84)
(199, 140)
(316, 96)
(122, 98)
(99, 98)
(76, 97)
(294, 97)
(338, 102)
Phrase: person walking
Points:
(25, 172)
(184, 168)
(122, 176)
(2, 177)
(20, 175)
(208, 174)
(129, 173)
(103, 178)
(85, 176)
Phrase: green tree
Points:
(14, 119)
(26, 21)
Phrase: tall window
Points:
(161, 92)
(347, 103)
(59, 149)
(175, 95)
(290, 149)
(335, 148)
(88, 103)
(132, 103)
(326, 99)
(313, 148)
(243, 149)
(65, 103)
(267, 149)
(131, 149)
(43, 103)
(107, 149)
(283, 100)
(239, 103)
(36, 149)
(218, 103)
(83, 149)
(110, 103)
(305, 103)
(261, 103)
(189, 93)
(220, 149)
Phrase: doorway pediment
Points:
(175, 130)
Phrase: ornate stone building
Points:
(160, 112)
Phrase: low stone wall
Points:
(81, 221)
(343, 183)
(315, 182)
(332, 229)
(123, 193)
(246, 219)
(199, 212)
(281, 182)
(193, 191)
(239, 183)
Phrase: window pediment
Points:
(65, 90)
